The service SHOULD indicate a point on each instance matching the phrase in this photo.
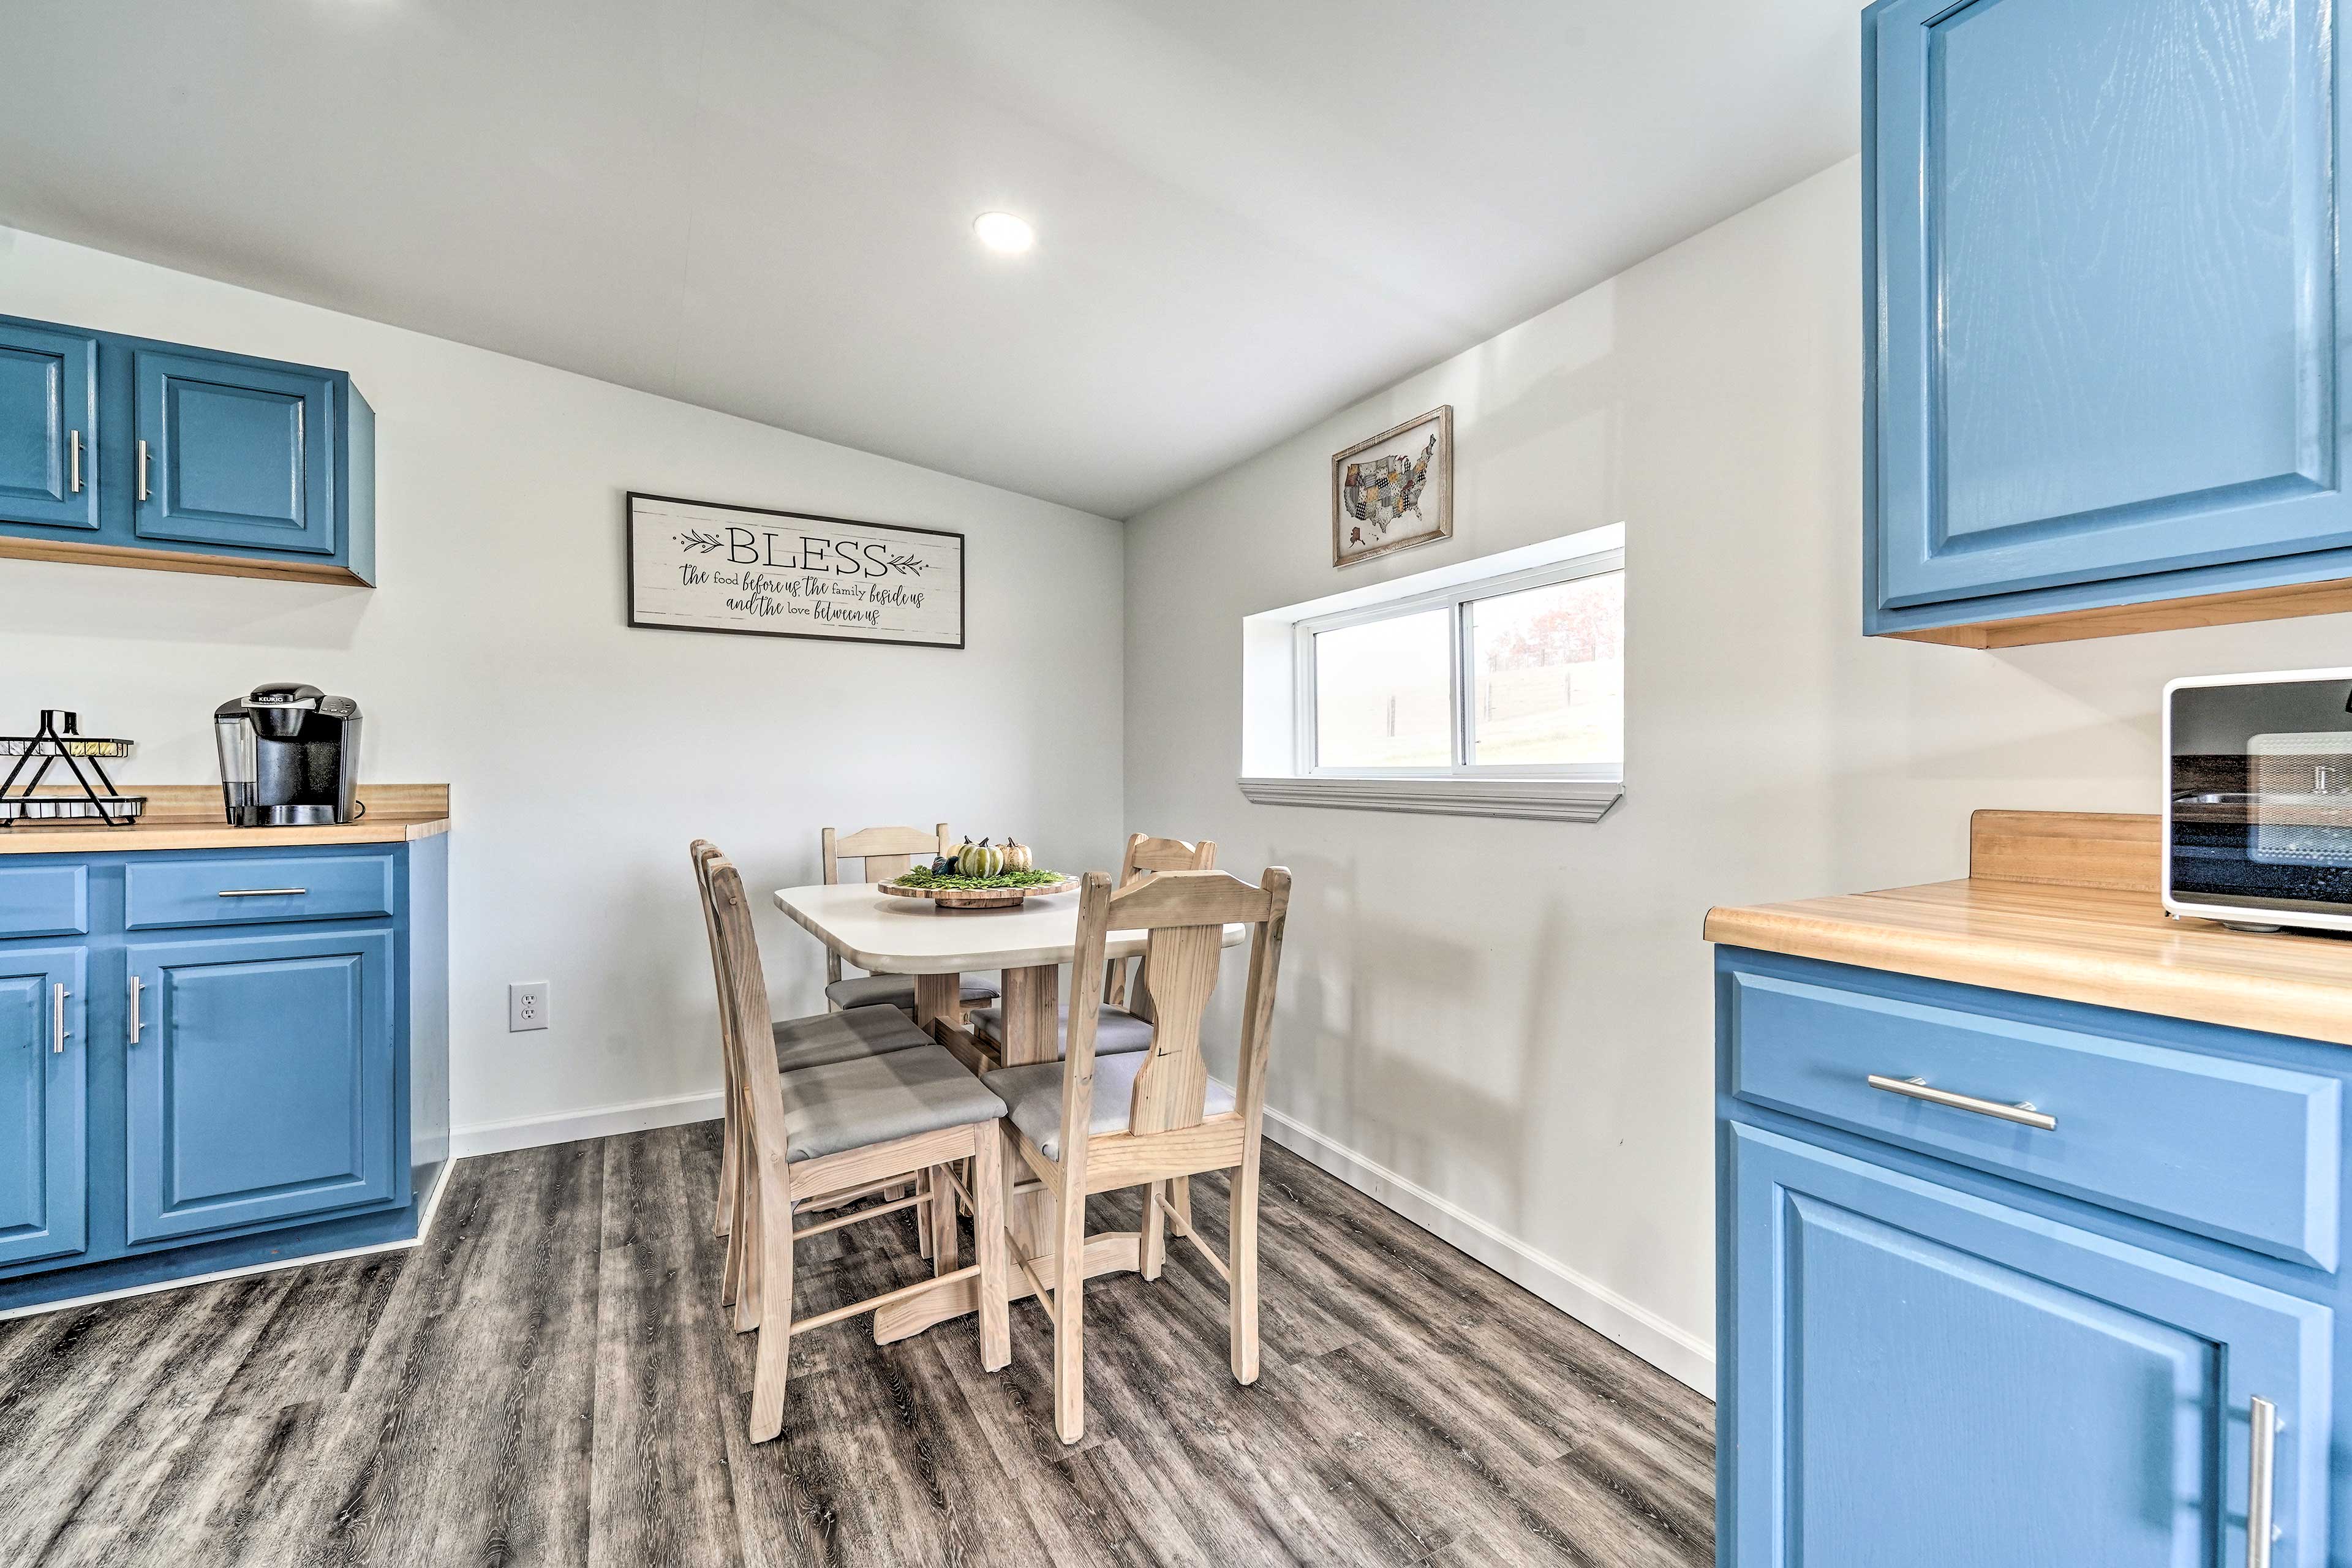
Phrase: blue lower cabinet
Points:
(1925, 1378)
(261, 1083)
(2031, 1326)
(44, 1099)
(268, 1087)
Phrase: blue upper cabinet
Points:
(234, 454)
(120, 451)
(2100, 243)
(49, 427)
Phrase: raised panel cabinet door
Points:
(44, 1104)
(260, 1081)
(49, 427)
(2101, 244)
(236, 454)
(1920, 1376)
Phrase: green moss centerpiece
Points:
(998, 890)
(923, 877)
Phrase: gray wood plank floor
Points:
(547, 1380)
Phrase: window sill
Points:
(1538, 800)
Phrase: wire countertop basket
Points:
(61, 740)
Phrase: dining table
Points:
(1027, 947)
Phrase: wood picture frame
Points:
(749, 571)
(1399, 479)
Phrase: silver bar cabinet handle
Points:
(58, 994)
(2022, 1112)
(261, 892)
(73, 449)
(143, 470)
(2262, 1450)
(134, 1009)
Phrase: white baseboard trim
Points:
(1672, 1350)
(570, 1126)
(423, 1228)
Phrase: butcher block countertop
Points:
(188, 817)
(2065, 905)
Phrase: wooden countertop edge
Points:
(141, 839)
(188, 817)
(2268, 1003)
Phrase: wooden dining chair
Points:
(885, 853)
(866, 1123)
(800, 1042)
(1091, 1124)
(1120, 1028)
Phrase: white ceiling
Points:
(1249, 212)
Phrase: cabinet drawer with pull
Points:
(2242, 1152)
(255, 890)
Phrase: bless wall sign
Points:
(703, 566)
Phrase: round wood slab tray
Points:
(978, 897)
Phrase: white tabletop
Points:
(913, 936)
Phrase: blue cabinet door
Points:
(44, 1089)
(234, 454)
(260, 1081)
(49, 427)
(1916, 1375)
(2102, 244)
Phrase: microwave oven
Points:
(2258, 799)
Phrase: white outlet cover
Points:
(527, 1003)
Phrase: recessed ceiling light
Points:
(1004, 232)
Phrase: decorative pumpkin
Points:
(981, 859)
(1017, 857)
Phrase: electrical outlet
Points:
(527, 1006)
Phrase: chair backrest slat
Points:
(1146, 853)
(1180, 968)
(1187, 899)
(886, 851)
(1146, 856)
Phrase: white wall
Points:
(585, 755)
(1515, 1017)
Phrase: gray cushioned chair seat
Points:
(893, 991)
(1033, 1098)
(830, 1038)
(1117, 1030)
(873, 1099)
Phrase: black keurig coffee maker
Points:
(289, 754)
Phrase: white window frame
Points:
(1456, 600)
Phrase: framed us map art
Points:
(1395, 491)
